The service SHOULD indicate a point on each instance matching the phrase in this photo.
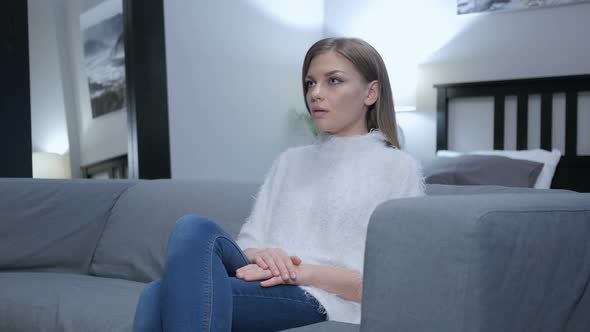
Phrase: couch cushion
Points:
(53, 225)
(327, 327)
(133, 244)
(41, 301)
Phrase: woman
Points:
(303, 243)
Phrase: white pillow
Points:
(550, 159)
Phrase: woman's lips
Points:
(319, 113)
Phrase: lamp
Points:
(48, 165)
(404, 108)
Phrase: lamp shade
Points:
(404, 108)
(51, 166)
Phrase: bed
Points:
(573, 170)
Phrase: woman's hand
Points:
(276, 261)
(348, 284)
(253, 272)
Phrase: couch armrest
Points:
(491, 262)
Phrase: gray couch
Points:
(75, 254)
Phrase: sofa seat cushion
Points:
(43, 301)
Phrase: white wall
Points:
(442, 47)
(48, 121)
(233, 78)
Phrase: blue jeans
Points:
(199, 292)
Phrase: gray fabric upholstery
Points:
(482, 170)
(443, 189)
(53, 225)
(465, 258)
(66, 302)
(73, 303)
(133, 244)
(327, 327)
(534, 281)
(478, 263)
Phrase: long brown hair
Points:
(368, 62)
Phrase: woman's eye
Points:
(335, 80)
(309, 83)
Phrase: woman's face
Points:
(337, 95)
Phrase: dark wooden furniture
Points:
(573, 171)
(112, 168)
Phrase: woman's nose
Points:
(315, 92)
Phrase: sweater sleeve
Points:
(411, 179)
(252, 233)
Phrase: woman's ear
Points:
(372, 93)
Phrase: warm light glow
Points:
(403, 108)
(56, 142)
(306, 14)
(50, 166)
(406, 34)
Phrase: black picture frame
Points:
(15, 95)
(147, 95)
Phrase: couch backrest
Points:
(119, 229)
(133, 244)
(53, 225)
(445, 189)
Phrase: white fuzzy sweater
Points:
(316, 202)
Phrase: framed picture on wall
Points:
(477, 6)
(104, 56)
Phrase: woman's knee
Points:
(193, 225)
(147, 313)
(151, 291)
(149, 298)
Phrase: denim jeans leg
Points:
(197, 293)
(147, 314)
(266, 309)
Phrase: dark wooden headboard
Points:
(573, 171)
